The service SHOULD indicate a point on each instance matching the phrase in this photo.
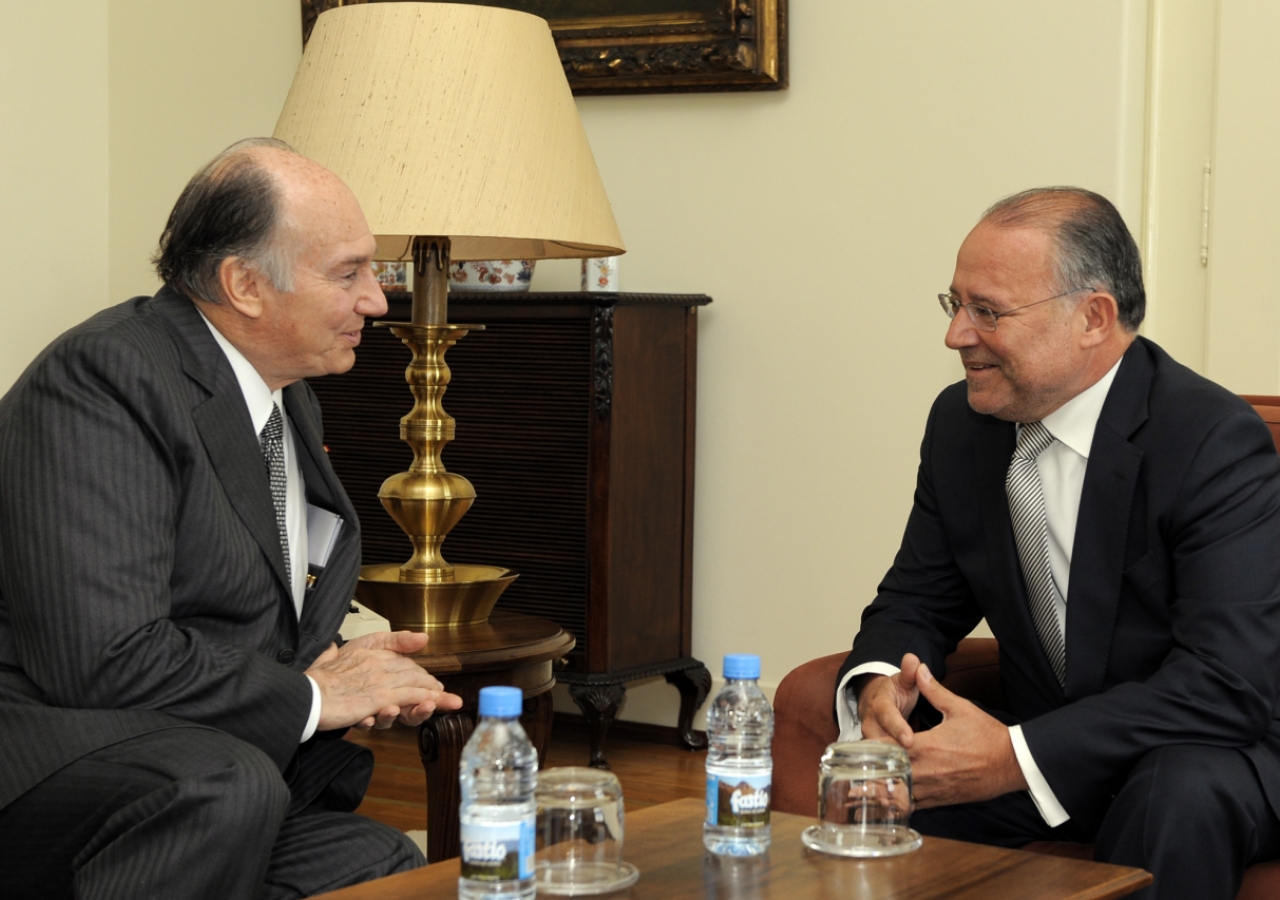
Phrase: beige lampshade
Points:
(451, 120)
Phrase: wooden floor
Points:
(650, 773)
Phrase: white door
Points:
(1211, 230)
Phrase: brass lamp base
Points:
(415, 606)
(427, 501)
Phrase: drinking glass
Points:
(579, 833)
(864, 801)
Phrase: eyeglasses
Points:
(986, 319)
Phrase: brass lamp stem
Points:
(430, 280)
(427, 501)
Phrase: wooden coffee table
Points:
(665, 843)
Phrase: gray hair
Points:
(230, 208)
(1093, 246)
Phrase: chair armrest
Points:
(803, 725)
(804, 721)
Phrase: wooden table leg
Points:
(599, 704)
(693, 684)
(440, 743)
(537, 717)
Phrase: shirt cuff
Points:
(847, 705)
(1041, 794)
(313, 720)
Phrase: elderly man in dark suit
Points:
(171, 691)
(1116, 519)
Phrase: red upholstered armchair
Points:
(804, 725)
(804, 722)
(1269, 409)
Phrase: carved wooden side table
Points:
(599, 696)
(576, 421)
(509, 649)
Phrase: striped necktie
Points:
(1031, 534)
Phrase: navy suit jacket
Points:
(1173, 616)
(142, 584)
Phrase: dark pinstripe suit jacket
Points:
(141, 578)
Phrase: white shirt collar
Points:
(1075, 421)
(257, 396)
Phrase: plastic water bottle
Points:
(499, 774)
(739, 767)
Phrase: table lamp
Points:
(456, 129)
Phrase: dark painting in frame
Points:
(651, 46)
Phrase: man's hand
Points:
(369, 682)
(967, 758)
(887, 700)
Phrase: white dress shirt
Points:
(259, 398)
(1062, 468)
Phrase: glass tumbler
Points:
(579, 833)
(864, 801)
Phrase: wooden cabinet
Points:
(575, 421)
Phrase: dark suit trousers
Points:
(187, 812)
(1194, 816)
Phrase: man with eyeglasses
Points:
(1115, 518)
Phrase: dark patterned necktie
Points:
(1031, 534)
(273, 455)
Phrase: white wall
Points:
(53, 173)
(1243, 334)
(108, 110)
(1209, 243)
(1181, 63)
(823, 220)
(187, 79)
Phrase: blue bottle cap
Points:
(501, 702)
(741, 665)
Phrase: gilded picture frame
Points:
(652, 46)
